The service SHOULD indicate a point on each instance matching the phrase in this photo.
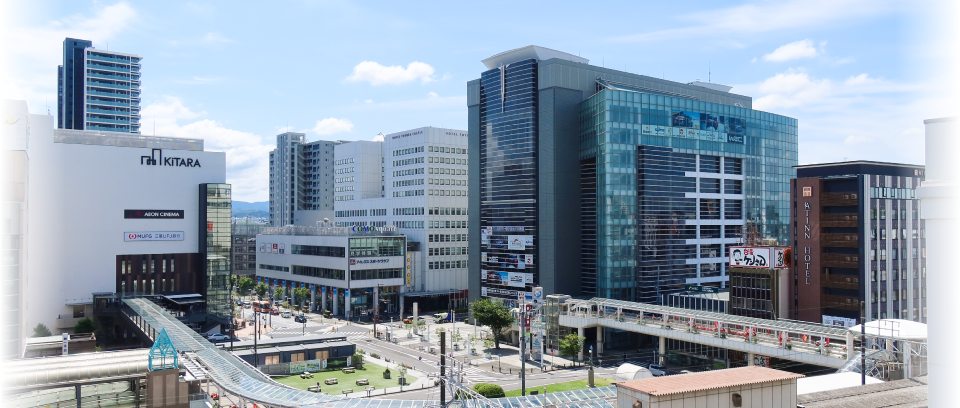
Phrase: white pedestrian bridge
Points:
(810, 343)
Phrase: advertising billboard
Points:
(519, 242)
(759, 257)
(685, 118)
(839, 321)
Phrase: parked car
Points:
(657, 370)
(246, 306)
(275, 311)
(218, 337)
(239, 303)
(409, 319)
(300, 319)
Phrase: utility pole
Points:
(443, 370)
(376, 310)
(523, 342)
(256, 327)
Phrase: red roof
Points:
(708, 380)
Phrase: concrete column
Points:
(599, 340)
(376, 301)
(662, 352)
(908, 361)
(347, 310)
(850, 349)
(580, 333)
(313, 299)
(750, 359)
(77, 391)
(402, 311)
(323, 299)
(334, 298)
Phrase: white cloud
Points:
(368, 101)
(216, 38)
(330, 126)
(862, 79)
(859, 117)
(377, 74)
(764, 17)
(792, 51)
(28, 70)
(248, 157)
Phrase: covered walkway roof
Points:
(64, 371)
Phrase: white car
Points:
(218, 337)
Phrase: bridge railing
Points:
(782, 338)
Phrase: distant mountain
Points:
(257, 206)
(245, 209)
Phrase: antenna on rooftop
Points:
(708, 71)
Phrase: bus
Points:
(261, 306)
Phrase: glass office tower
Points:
(215, 243)
(589, 181)
(677, 182)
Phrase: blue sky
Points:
(859, 75)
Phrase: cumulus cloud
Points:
(330, 126)
(30, 50)
(376, 74)
(763, 16)
(857, 117)
(790, 89)
(862, 79)
(792, 51)
(216, 38)
(248, 157)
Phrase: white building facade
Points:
(346, 268)
(301, 179)
(125, 214)
(421, 190)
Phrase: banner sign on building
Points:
(153, 214)
(759, 257)
(839, 321)
(519, 242)
(153, 236)
(702, 289)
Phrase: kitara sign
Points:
(156, 159)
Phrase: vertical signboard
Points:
(806, 211)
(66, 342)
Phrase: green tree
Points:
(244, 283)
(494, 315)
(489, 390)
(41, 330)
(85, 325)
(571, 344)
(278, 293)
(302, 294)
(261, 290)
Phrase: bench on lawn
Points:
(370, 388)
(363, 381)
(330, 381)
(306, 374)
(347, 391)
(349, 370)
(313, 388)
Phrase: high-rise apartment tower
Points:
(98, 89)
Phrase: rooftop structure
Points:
(708, 380)
(910, 392)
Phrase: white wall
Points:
(773, 394)
(77, 197)
(939, 198)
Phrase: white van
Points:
(286, 314)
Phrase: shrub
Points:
(489, 390)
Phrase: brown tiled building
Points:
(857, 237)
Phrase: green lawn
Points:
(371, 372)
(566, 386)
